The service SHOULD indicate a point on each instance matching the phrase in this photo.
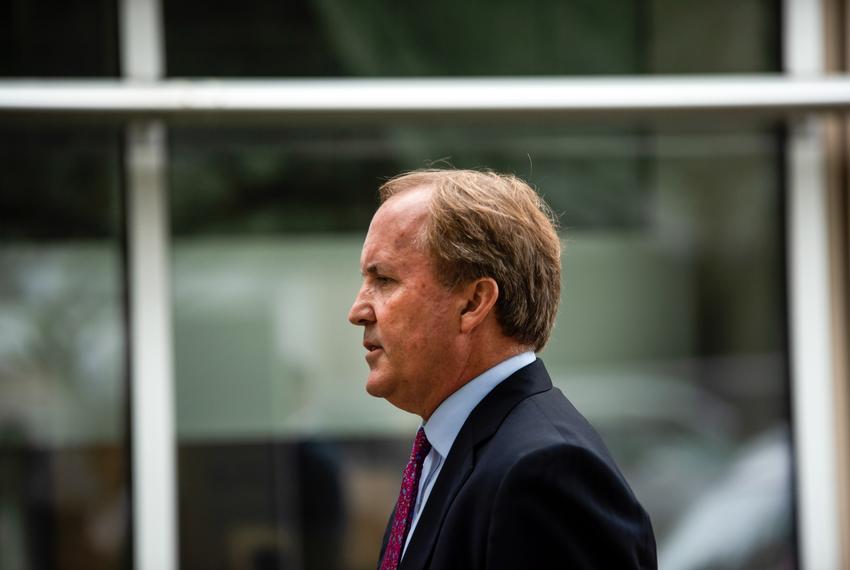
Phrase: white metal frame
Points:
(154, 439)
(152, 386)
(812, 387)
(640, 96)
(144, 98)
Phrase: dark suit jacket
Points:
(528, 483)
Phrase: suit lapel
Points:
(481, 424)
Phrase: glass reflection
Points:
(369, 38)
(63, 465)
(59, 38)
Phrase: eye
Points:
(382, 280)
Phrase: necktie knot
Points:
(421, 447)
(406, 501)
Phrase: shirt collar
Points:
(445, 423)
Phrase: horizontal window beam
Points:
(339, 98)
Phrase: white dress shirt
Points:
(442, 427)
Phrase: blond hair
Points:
(485, 224)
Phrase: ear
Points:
(479, 297)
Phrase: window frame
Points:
(144, 100)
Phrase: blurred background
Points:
(674, 335)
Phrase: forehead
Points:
(397, 227)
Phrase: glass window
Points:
(64, 470)
(670, 337)
(58, 38)
(368, 38)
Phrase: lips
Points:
(373, 351)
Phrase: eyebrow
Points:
(373, 269)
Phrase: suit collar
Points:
(481, 424)
(445, 423)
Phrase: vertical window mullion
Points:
(811, 355)
(152, 384)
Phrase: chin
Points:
(377, 387)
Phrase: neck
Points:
(473, 365)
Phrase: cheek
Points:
(419, 321)
(433, 330)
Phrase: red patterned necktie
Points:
(406, 502)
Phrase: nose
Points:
(361, 312)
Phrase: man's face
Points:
(410, 320)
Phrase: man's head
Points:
(461, 270)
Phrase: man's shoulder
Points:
(555, 421)
(546, 420)
(522, 416)
(540, 476)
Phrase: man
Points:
(461, 283)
